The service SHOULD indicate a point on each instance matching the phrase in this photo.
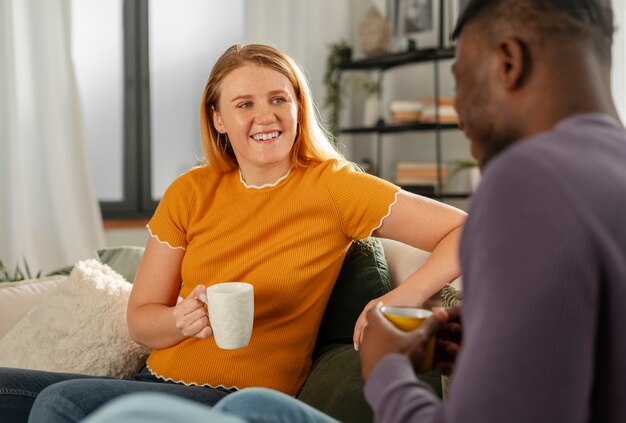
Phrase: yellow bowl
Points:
(411, 318)
(406, 318)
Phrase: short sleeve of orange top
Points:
(288, 239)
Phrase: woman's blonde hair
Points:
(312, 143)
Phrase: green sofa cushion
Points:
(335, 385)
(363, 277)
(124, 260)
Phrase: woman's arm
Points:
(156, 318)
(430, 226)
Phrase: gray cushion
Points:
(124, 260)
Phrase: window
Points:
(141, 67)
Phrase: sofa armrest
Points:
(403, 260)
(17, 298)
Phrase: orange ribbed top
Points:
(287, 239)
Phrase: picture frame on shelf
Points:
(415, 24)
(452, 11)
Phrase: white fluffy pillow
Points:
(79, 328)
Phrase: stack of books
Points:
(420, 174)
(405, 111)
(447, 114)
(423, 110)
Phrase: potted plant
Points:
(371, 109)
(338, 53)
(471, 166)
(18, 274)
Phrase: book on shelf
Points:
(405, 117)
(404, 165)
(420, 173)
(423, 110)
(447, 114)
(405, 111)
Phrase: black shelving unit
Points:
(389, 61)
(392, 60)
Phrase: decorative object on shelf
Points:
(471, 168)
(374, 31)
(414, 20)
(338, 53)
(371, 108)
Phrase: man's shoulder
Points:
(575, 142)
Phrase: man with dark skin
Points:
(544, 248)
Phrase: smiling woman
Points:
(258, 113)
(274, 205)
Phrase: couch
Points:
(334, 385)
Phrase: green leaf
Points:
(18, 273)
(460, 165)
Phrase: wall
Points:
(126, 236)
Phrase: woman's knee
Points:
(57, 403)
(253, 398)
(157, 408)
(260, 405)
(72, 400)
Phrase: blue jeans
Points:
(62, 397)
(253, 405)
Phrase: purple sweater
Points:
(544, 302)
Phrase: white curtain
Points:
(619, 58)
(49, 213)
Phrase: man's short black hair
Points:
(563, 20)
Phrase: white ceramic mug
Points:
(231, 311)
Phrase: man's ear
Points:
(217, 120)
(514, 62)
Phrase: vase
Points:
(370, 110)
(375, 34)
(474, 178)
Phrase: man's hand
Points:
(449, 338)
(381, 337)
